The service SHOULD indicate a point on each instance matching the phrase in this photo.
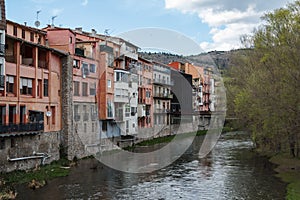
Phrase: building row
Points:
(66, 92)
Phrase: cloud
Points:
(227, 19)
(85, 2)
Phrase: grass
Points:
(165, 139)
(46, 172)
(289, 171)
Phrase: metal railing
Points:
(2, 81)
(17, 128)
(163, 81)
(2, 49)
(163, 95)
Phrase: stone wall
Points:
(25, 146)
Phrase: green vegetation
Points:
(47, 172)
(263, 83)
(289, 171)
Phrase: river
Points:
(230, 171)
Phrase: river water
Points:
(230, 171)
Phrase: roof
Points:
(26, 27)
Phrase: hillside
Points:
(220, 59)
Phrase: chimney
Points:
(94, 32)
(78, 29)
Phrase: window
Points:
(76, 113)
(32, 37)
(109, 109)
(10, 80)
(53, 114)
(2, 114)
(93, 89)
(85, 115)
(46, 87)
(127, 110)
(84, 89)
(26, 86)
(133, 111)
(85, 69)
(39, 88)
(70, 40)
(23, 33)
(76, 63)
(110, 60)
(127, 126)
(76, 88)
(22, 114)
(84, 128)
(92, 68)
(148, 94)
(15, 32)
(109, 83)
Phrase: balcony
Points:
(163, 82)
(18, 128)
(2, 81)
(163, 95)
(2, 49)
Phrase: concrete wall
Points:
(24, 146)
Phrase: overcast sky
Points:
(207, 24)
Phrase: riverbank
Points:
(289, 171)
(34, 178)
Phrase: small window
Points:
(84, 89)
(46, 87)
(23, 33)
(15, 32)
(93, 89)
(70, 40)
(109, 83)
(92, 68)
(10, 84)
(76, 88)
(76, 63)
(26, 86)
(32, 37)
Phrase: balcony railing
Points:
(163, 81)
(2, 81)
(2, 49)
(18, 128)
(163, 95)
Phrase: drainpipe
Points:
(42, 156)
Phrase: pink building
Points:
(145, 94)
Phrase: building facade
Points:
(82, 138)
(162, 93)
(145, 95)
(30, 102)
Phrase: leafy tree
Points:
(265, 82)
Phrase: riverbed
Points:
(231, 171)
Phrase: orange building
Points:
(30, 101)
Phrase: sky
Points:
(179, 26)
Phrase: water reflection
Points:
(230, 171)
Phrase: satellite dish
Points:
(37, 23)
